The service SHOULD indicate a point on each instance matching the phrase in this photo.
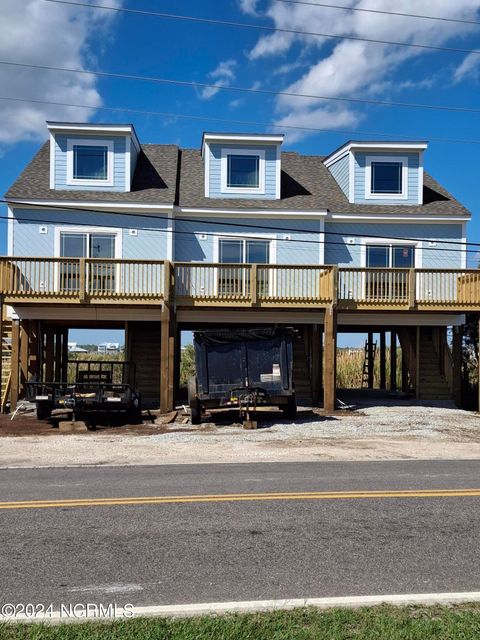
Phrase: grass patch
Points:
(461, 622)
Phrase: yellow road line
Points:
(240, 497)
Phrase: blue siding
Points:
(360, 164)
(190, 246)
(340, 170)
(150, 243)
(270, 171)
(337, 251)
(119, 145)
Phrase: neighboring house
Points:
(74, 348)
(108, 347)
(106, 231)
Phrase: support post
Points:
(330, 356)
(393, 361)
(383, 357)
(371, 362)
(24, 331)
(64, 374)
(15, 366)
(457, 365)
(418, 338)
(58, 355)
(49, 354)
(165, 404)
(253, 285)
(316, 363)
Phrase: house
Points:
(108, 347)
(108, 232)
(74, 348)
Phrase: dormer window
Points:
(90, 162)
(243, 171)
(386, 177)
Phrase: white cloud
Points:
(468, 69)
(44, 33)
(224, 74)
(249, 6)
(351, 68)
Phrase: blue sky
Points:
(41, 32)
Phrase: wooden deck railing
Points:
(87, 280)
(81, 279)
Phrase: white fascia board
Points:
(238, 137)
(10, 230)
(95, 206)
(371, 146)
(396, 218)
(85, 127)
(128, 163)
(52, 160)
(335, 158)
(252, 212)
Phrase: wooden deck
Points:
(86, 281)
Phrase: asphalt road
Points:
(184, 552)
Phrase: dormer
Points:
(242, 165)
(379, 172)
(92, 157)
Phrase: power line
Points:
(190, 83)
(238, 224)
(379, 11)
(165, 114)
(259, 27)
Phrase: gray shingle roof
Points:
(154, 181)
(307, 185)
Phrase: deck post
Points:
(15, 366)
(167, 368)
(316, 363)
(457, 365)
(418, 339)
(371, 361)
(330, 358)
(49, 354)
(64, 374)
(383, 357)
(393, 361)
(58, 355)
(24, 336)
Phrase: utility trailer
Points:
(243, 368)
(98, 387)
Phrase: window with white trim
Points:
(243, 171)
(90, 162)
(386, 177)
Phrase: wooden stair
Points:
(6, 339)
(301, 374)
(433, 384)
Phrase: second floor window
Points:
(243, 171)
(387, 177)
(90, 162)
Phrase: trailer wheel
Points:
(290, 409)
(194, 402)
(44, 411)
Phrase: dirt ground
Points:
(375, 428)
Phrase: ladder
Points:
(366, 362)
(6, 339)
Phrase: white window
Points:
(90, 162)
(386, 178)
(243, 171)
